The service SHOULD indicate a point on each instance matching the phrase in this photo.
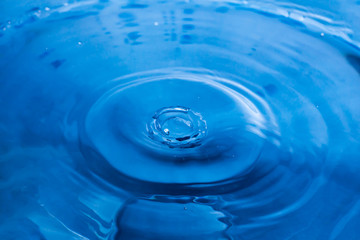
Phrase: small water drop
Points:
(156, 24)
(177, 127)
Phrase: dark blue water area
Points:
(179, 120)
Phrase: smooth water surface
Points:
(179, 120)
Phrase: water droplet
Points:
(156, 23)
(177, 127)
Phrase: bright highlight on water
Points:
(175, 120)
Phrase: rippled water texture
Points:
(171, 120)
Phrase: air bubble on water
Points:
(156, 23)
(166, 131)
(47, 9)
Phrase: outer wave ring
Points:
(99, 166)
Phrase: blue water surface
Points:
(192, 119)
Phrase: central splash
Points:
(177, 127)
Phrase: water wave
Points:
(179, 119)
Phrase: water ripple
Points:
(179, 119)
